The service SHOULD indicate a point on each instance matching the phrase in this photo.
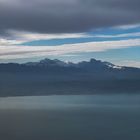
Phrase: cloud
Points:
(23, 38)
(28, 36)
(133, 34)
(129, 63)
(16, 52)
(66, 16)
(17, 38)
(126, 27)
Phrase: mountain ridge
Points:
(48, 77)
(57, 62)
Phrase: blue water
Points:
(76, 117)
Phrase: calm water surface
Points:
(91, 117)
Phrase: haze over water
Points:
(76, 117)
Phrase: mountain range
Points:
(49, 77)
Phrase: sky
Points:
(70, 30)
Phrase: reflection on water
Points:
(91, 117)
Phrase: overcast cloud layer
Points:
(66, 16)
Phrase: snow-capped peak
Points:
(114, 66)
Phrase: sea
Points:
(70, 117)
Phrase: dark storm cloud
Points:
(63, 16)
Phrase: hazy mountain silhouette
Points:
(57, 77)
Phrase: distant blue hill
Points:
(49, 77)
